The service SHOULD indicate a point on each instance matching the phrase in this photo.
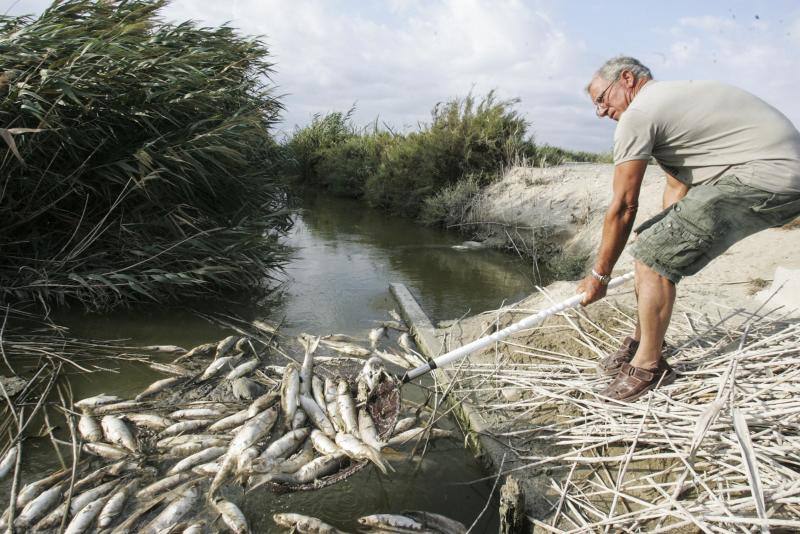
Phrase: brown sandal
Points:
(633, 382)
(611, 364)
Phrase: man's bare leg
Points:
(655, 298)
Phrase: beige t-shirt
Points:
(699, 130)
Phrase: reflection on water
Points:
(337, 282)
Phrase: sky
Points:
(395, 59)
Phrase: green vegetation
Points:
(139, 157)
(431, 173)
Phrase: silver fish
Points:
(192, 447)
(346, 348)
(367, 430)
(173, 441)
(226, 345)
(9, 461)
(405, 342)
(395, 325)
(232, 516)
(243, 369)
(38, 507)
(392, 523)
(304, 524)
(318, 392)
(243, 345)
(208, 469)
(91, 495)
(170, 368)
(174, 511)
(375, 335)
(290, 389)
(231, 421)
(404, 424)
(160, 486)
(323, 444)
(104, 450)
(30, 491)
(124, 406)
(317, 416)
(265, 327)
(149, 420)
(205, 455)
(313, 470)
(396, 316)
(414, 433)
(262, 403)
(245, 459)
(206, 349)
(437, 522)
(358, 450)
(226, 362)
(84, 519)
(182, 427)
(97, 400)
(286, 444)
(164, 348)
(347, 408)
(307, 369)
(335, 417)
(250, 433)
(195, 413)
(331, 391)
(198, 527)
(300, 418)
(116, 431)
(263, 468)
(392, 358)
(244, 388)
(115, 504)
(157, 387)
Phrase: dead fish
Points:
(313, 470)
(116, 431)
(9, 461)
(195, 413)
(226, 362)
(147, 420)
(170, 368)
(32, 490)
(53, 519)
(250, 433)
(334, 417)
(97, 400)
(226, 345)
(84, 519)
(208, 469)
(201, 457)
(375, 335)
(286, 444)
(356, 449)
(198, 527)
(115, 504)
(367, 430)
(232, 516)
(303, 524)
(244, 388)
(392, 523)
(396, 316)
(403, 424)
(206, 349)
(323, 444)
(307, 369)
(437, 522)
(229, 422)
(245, 459)
(342, 338)
(317, 416)
(300, 419)
(173, 441)
(347, 348)
(39, 507)
(392, 358)
(243, 345)
(160, 486)
(262, 403)
(243, 369)
(318, 392)
(183, 427)
(164, 348)
(414, 433)
(124, 406)
(290, 389)
(405, 342)
(104, 450)
(157, 387)
(265, 327)
(347, 408)
(174, 511)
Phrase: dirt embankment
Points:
(558, 212)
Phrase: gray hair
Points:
(612, 68)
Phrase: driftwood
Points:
(512, 508)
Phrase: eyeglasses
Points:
(599, 103)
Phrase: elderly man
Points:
(732, 166)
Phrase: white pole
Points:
(528, 322)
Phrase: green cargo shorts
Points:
(712, 216)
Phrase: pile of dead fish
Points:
(166, 457)
(407, 522)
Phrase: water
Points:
(338, 282)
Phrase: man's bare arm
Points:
(616, 226)
(674, 190)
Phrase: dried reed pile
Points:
(717, 451)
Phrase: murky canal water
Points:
(338, 282)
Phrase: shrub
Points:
(450, 205)
(307, 146)
(344, 168)
(140, 157)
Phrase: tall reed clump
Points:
(138, 161)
